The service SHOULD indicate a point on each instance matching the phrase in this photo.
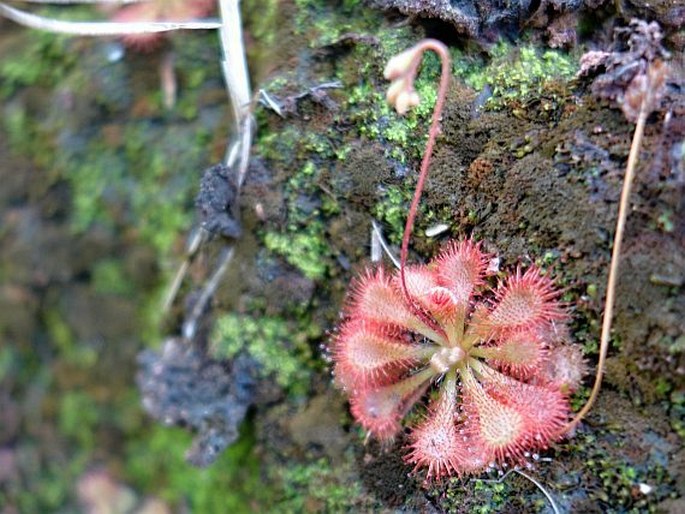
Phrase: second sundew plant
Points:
(493, 361)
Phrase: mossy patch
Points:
(44, 61)
(278, 346)
(303, 248)
(392, 210)
(157, 463)
(317, 486)
(109, 277)
(619, 466)
(515, 77)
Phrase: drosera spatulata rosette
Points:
(496, 356)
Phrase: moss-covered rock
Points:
(527, 161)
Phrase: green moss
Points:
(316, 487)
(277, 146)
(479, 496)
(149, 183)
(309, 195)
(44, 61)
(580, 398)
(302, 241)
(495, 491)
(376, 120)
(55, 482)
(156, 462)
(317, 144)
(69, 350)
(21, 132)
(365, 104)
(324, 22)
(132, 172)
(392, 210)
(305, 249)
(665, 221)
(78, 418)
(614, 469)
(517, 76)
(7, 361)
(109, 277)
(277, 345)
(261, 18)
(152, 179)
(677, 399)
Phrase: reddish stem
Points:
(441, 50)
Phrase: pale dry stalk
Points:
(648, 88)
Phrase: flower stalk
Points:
(402, 70)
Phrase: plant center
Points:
(445, 358)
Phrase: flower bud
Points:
(399, 64)
(395, 89)
(406, 100)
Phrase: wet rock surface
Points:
(217, 202)
(479, 19)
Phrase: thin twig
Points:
(198, 237)
(190, 324)
(82, 2)
(238, 86)
(100, 28)
(273, 103)
(234, 69)
(268, 101)
(501, 479)
(539, 486)
(377, 235)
